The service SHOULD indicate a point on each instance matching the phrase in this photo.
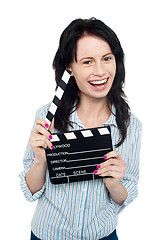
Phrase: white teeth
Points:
(99, 82)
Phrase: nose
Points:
(99, 70)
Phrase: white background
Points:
(30, 31)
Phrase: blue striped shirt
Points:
(83, 210)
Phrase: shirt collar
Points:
(111, 121)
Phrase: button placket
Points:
(81, 210)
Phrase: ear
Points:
(70, 69)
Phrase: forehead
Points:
(92, 46)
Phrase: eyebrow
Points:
(93, 58)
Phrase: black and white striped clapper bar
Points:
(58, 95)
(76, 153)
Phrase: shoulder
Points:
(134, 121)
(42, 111)
(135, 125)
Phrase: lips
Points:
(99, 83)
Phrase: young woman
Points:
(93, 97)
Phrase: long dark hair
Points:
(67, 52)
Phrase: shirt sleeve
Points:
(27, 163)
(131, 176)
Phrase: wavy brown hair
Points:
(67, 52)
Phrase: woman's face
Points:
(95, 68)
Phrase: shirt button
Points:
(84, 189)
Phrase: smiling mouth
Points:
(99, 83)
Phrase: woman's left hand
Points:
(114, 167)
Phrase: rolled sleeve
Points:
(131, 176)
(27, 193)
(27, 163)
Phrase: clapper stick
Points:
(58, 96)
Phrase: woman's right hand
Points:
(40, 139)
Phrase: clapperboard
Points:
(76, 154)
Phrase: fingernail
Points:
(52, 147)
(105, 157)
(50, 137)
(98, 166)
(46, 125)
(95, 172)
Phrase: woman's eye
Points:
(107, 59)
(87, 62)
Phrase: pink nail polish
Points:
(50, 136)
(105, 157)
(98, 166)
(95, 172)
(52, 147)
(46, 125)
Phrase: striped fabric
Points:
(83, 210)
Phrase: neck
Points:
(93, 112)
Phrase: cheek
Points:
(80, 77)
(80, 84)
(113, 69)
(78, 80)
(112, 72)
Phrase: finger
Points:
(113, 174)
(109, 162)
(113, 154)
(112, 168)
(111, 171)
(47, 142)
(42, 122)
(43, 131)
(40, 141)
(51, 128)
(105, 167)
(41, 144)
(36, 136)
